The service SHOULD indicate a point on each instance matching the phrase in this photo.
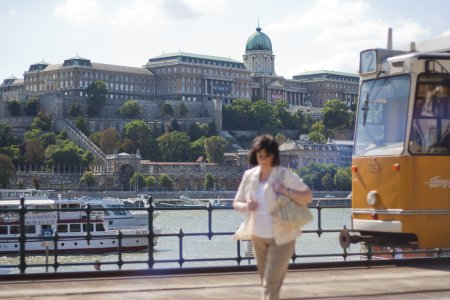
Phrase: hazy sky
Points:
(306, 34)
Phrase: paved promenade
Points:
(429, 281)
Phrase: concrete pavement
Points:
(381, 282)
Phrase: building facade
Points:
(72, 77)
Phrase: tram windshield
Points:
(430, 128)
(382, 116)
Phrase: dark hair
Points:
(264, 142)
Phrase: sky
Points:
(306, 35)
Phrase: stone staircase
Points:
(82, 140)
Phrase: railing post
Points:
(22, 236)
(151, 234)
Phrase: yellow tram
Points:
(401, 159)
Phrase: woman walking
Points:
(255, 196)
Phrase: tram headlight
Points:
(372, 198)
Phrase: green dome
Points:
(258, 41)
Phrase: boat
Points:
(69, 220)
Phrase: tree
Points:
(137, 181)
(209, 182)
(174, 146)
(32, 106)
(36, 182)
(96, 93)
(317, 133)
(67, 153)
(47, 139)
(7, 137)
(15, 110)
(131, 109)
(7, 171)
(197, 149)
(75, 110)
(82, 125)
(167, 111)
(182, 110)
(34, 152)
(150, 182)
(264, 120)
(14, 153)
(89, 179)
(335, 114)
(280, 138)
(214, 148)
(165, 182)
(109, 140)
(328, 182)
(42, 122)
(137, 129)
(343, 179)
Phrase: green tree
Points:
(165, 182)
(343, 179)
(137, 181)
(167, 111)
(32, 106)
(7, 137)
(214, 148)
(313, 174)
(280, 138)
(328, 182)
(150, 182)
(131, 109)
(7, 171)
(335, 114)
(209, 182)
(67, 153)
(75, 110)
(264, 119)
(174, 146)
(14, 153)
(15, 109)
(317, 133)
(137, 129)
(82, 125)
(42, 121)
(88, 179)
(182, 110)
(197, 149)
(47, 139)
(96, 93)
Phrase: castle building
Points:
(195, 77)
(189, 77)
(75, 74)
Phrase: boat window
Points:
(99, 227)
(118, 212)
(91, 227)
(14, 230)
(62, 228)
(3, 229)
(46, 227)
(382, 116)
(430, 128)
(30, 229)
(75, 227)
(106, 213)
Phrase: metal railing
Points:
(241, 258)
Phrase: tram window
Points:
(62, 228)
(430, 130)
(382, 116)
(3, 229)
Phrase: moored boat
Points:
(77, 230)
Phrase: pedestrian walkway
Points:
(382, 282)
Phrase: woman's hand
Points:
(280, 188)
(251, 205)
